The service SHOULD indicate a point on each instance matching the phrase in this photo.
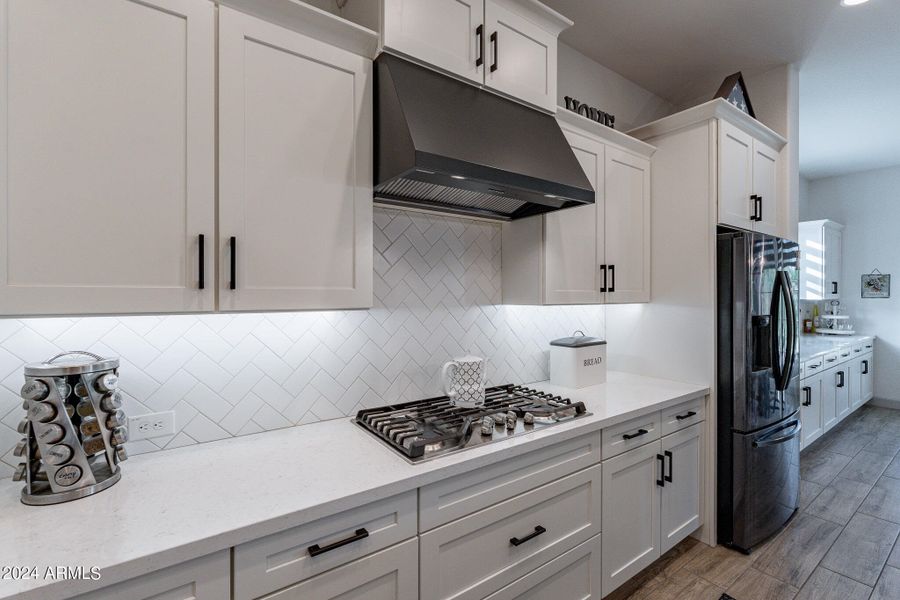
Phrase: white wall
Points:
(868, 205)
(590, 82)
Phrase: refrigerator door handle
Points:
(791, 349)
(796, 427)
(782, 293)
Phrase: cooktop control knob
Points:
(58, 455)
(35, 390)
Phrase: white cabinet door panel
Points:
(204, 578)
(573, 238)
(811, 409)
(679, 514)
(735, 176)
(627, 223)
(829, 399)
(833, 241)
(867, 385)
(295, 170)
(107, 156)
(520, 57)
(842, 391)
(390, 574)
(765, 185)
(437, 32)
(631, 501)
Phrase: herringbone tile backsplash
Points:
(437, 295)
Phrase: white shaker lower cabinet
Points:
(107, 156)
(390, 574)
(573, 576)
(811, 406)
(829, 399)
(651, 501)
(295, 170)
(679, 514)
(204, 578)
(842, 390)
(631, 492)
(477, 555)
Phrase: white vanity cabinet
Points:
(594, 254)
(821, 248)
(107, 156)
(651, 501)
(295, 170)
(508, 46)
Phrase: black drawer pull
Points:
(840, 374)
(496, 47)
(671, 468)
(233, 243)
(612, 278)
(866, 372)
(631, 436)
(686, 415)
(479, 45)
(201, 249)
(807, 391)
(360, 534)
(538, 530)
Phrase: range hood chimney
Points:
(444, 145)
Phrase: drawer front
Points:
(678, 417)
(858, 349)
(830, 360)
(204, 578)
(573, 576)
(386, 575)
(868, 345)
(812, 367)
(845, 353)
(284, 558)
(479, 554)
(630, 434)
(464, 494)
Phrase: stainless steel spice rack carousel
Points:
(73, 430)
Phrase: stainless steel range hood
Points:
(444, 145)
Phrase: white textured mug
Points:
(464, 380)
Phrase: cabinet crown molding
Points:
(714, 109)
(605, 134)
(310, 21)
(538, 13)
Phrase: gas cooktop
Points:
(434, 427)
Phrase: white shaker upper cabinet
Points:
(107, 156)
(520, 56)
(765, 187)
(735, 176)
(627, 222)
(444, 33)
(295, 170)
(820, 260)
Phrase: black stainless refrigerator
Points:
(758, 441)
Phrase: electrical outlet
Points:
(151, 425)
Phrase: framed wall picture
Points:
(876, 285)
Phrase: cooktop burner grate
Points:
(427, 428)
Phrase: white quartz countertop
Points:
(815, 345)
(175, 505)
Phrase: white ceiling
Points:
(681, 50)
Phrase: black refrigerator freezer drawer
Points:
(765, 480)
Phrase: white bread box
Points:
(577, 361)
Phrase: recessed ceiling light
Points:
(852, 2)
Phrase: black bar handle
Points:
(866, 363)
(612, 278)
(808, 391)
(840, 374)
(479, 45)
(495, 45)
(360, 534)
(834, 287)
(759, 200)
(686, 415)
(671, 467)
(754, 207)
(233, 243)
(603, 268)
(538, 530)
(201, 248)
(631, 436)
(661, 482)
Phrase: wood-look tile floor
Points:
(842, 545)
